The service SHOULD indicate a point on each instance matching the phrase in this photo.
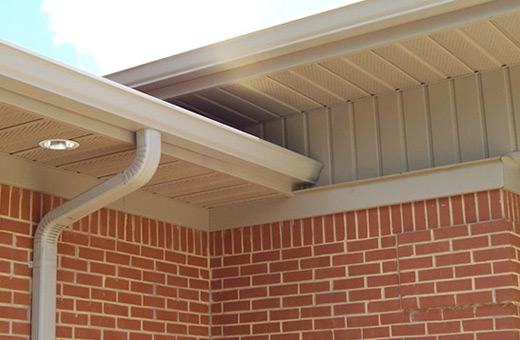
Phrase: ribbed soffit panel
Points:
(101, 157)
(480, 46)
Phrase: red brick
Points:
(349, 308)
(297, 276)
(496, 281)
(297, 301)
(496, 309)
(266, 303)
(437, 301)
(16, 227)
(266, 256)
(443, 327)
(327, 298)
(394, 318)
(345, 259)
(89, 279)
(351, 283)
(416, 263)
(406, 209)
(494, 254)
(362, 321)
(470, 243)
(115, 309)
(283, 290)
(314, 312)
(364, 269)
(451, 259)
(266, 279)
(494, 335)
(102, 321)
(470, 210)
(269, 327)
(236, 260)
(284, 314)
(313, 287)
(450, 232)
(456, 210)
(362, 245)
(130, 324)
(299, 325)
(384, 306)
(413, 329)
(458, 313)
(454, 285)
(327, 249)
(473, 270)
(495, 201)
(296, 253)
(89, 306)
(327, 273)
(364, 294)
(315, 262)
(426, 315)
(477, 325)
(86, 333)
(464, 299)
(249, 293)
(329, 323)
(432, 248)
(347, 334)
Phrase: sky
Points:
(105, 36)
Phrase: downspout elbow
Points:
(141, 170)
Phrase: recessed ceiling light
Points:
(59, 144)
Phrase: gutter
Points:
(141, 170)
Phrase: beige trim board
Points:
(498, 172)
(418, 185)
(46, 179)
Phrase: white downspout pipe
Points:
(46, 238)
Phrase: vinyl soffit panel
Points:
(101, 156)
(452, 52)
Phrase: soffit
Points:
(482, 45)
(101, 156)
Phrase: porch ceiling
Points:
(418, 51)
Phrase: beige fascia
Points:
(487, 174)
(37, 84)
(343, 30)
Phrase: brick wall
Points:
(119, 276)
(441, 269)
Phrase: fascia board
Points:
(96, 99)
(285, 40)
(237, 71)
(418, 185)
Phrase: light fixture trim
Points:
(59, 144)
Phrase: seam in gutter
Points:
(50, 227)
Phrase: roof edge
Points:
(323, 28)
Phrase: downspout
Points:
(50, 227)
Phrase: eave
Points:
(348, 29)
(41, 86)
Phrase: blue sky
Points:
(104, 36)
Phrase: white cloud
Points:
(110, 35)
